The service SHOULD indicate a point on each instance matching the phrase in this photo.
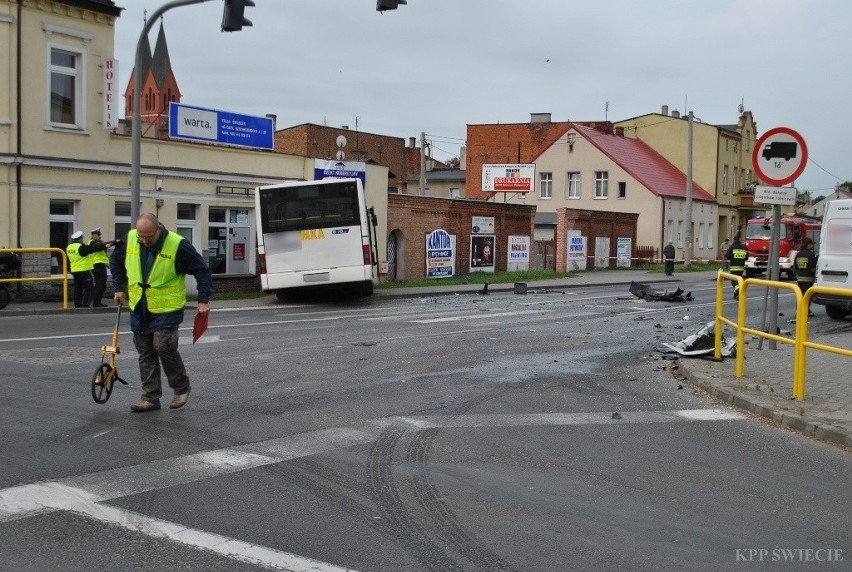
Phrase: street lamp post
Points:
(136, 129)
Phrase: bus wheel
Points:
(836, 312)
(367, 289)
(282, 295)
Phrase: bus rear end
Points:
(314, 234)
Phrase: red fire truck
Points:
(794, 229)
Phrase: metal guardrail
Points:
(63, 278)
(800, 342)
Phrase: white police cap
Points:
(96, 230)
(77, 235)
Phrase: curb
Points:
(797, 423)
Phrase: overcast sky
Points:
(438, 65)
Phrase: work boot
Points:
(179, 400)
(145, 405)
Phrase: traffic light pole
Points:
(136, 128)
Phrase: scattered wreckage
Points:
(645, 292)
(702, 343)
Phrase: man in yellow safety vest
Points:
(149, 273)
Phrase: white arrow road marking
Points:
(84, 494)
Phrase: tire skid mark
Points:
(413, 536)
(446, 524)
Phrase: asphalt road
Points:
(521, 433)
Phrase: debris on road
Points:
(645, 292)
(702, 343)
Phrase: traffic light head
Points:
(382, 5)
(233, 19)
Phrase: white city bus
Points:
(315, 234)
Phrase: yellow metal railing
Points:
(802, 334)
(800, 342)
(63, 277)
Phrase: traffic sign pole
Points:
(778, 158)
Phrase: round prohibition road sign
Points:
(779, 156)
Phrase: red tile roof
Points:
(646, 165)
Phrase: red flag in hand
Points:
(200, 325)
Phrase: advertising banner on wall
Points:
(440, 254)
(482, 253)
(482, 225)
(516, 178)
(576, 253)
(329, 169)
(624, 252)
(518, 253)
(216, 126)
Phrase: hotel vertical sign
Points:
(110, 102)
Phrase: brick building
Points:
(512, 143)
(602, 231)
(412, 218)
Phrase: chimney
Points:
(619, 131)
(411, 143)
(675, 113)
(539, 118)
(463, 158)
(665, 110)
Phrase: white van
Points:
(834, 266)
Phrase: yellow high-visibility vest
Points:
(99, 257)
(78, 263)
(166, 289)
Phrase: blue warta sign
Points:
(213, 126)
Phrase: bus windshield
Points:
(309, 207)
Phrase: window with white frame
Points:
(680, 234)
(700, 235)
(66, 83)
(545, 185)
(573, 189)
(622, 190)
(187, 215)
(601, 184)
(455, 193)
(725, 180)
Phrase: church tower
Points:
(159, 87)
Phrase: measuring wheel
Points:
(102, 382)
(107, 373)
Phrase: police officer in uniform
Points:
(100, 261)
(81, 267)
(736, 257)
(805, 263)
